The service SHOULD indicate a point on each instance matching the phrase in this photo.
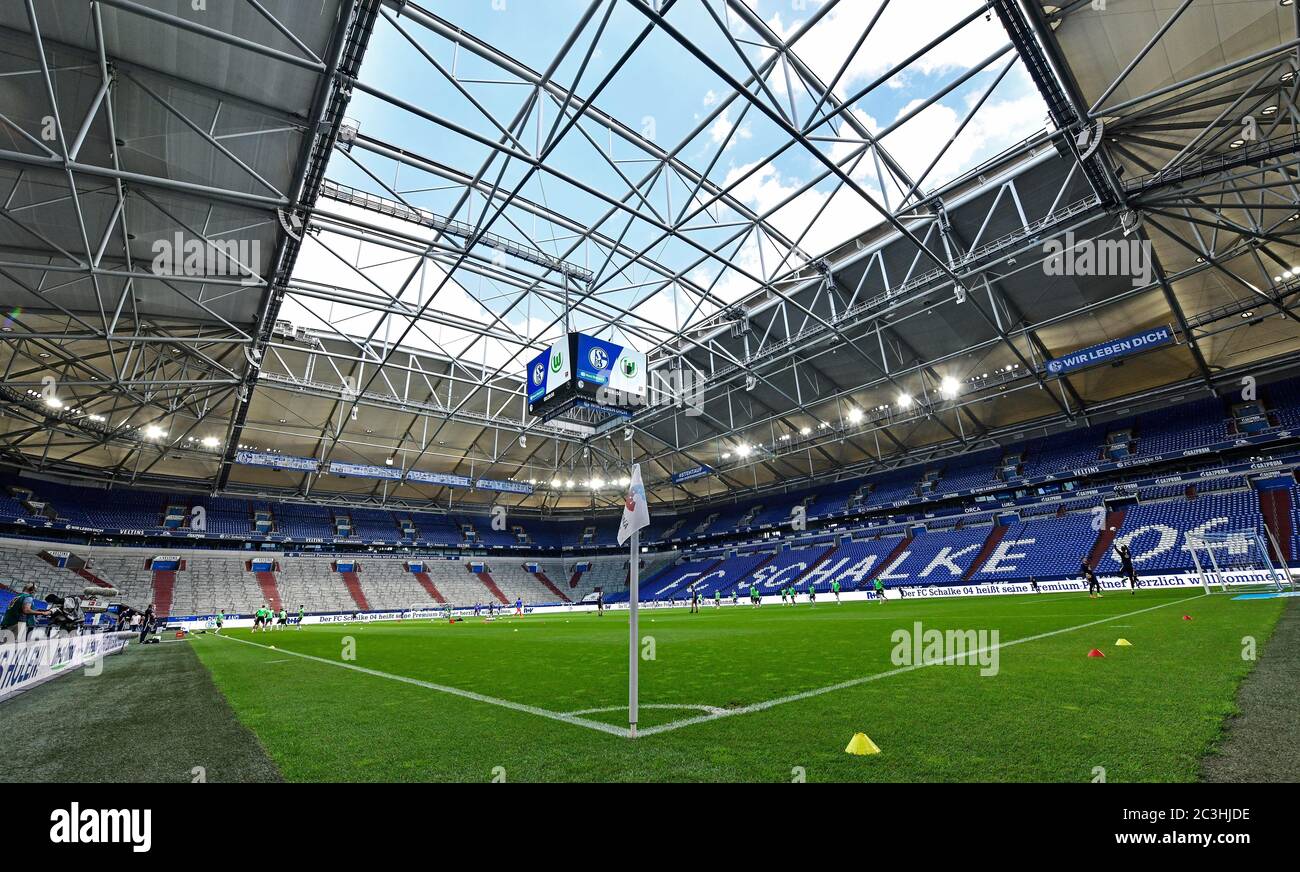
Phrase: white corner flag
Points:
(635, 512)
(635, 516)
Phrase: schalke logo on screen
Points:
(599, 359)
(539, 373)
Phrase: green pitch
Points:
(752, 695)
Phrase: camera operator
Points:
(146, 623)
(22, 613)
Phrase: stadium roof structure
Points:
(838, 224)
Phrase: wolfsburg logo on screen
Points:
(127, 826)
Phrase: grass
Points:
(151, 716)
(1145, 713)
(1262, 737)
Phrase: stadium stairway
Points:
(577, 577)
(353, 585)
(888, 562)
(164, 588)
(550, 585)
(710, 568)
(427, 583)
(81, 571)
(821, 558)
(1275, 506)
(690, 586)
(740, 583)
(492, 587)
(1114, 520)
(270, 591)
(92, 578)
(996, 535)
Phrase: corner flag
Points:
(635, 516)
(635, 512)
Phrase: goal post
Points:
(424, 611)
(1240, 559)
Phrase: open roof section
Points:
(788, 205)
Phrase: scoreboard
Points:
(582, 369)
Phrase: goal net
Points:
(426, 610)
(1241, 560)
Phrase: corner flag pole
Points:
(635, 516)
(632, 658)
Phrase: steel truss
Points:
(1173, 171)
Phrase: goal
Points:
(1241, 560)
(425, 611)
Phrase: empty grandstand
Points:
(479, 326)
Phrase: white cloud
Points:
(721, 128)
(903, 29)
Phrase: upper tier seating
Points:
(1187, 427)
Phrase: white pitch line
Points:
(454, 691)
(854, 682)
(717, 714)
(649, 705)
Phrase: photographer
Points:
(22, 613)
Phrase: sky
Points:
(674, 99)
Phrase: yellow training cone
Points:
(1123, 643)
(860, 744)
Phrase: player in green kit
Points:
(717, 599)
(835, 589)
(753, 595)
(880, 589)
(284, 618)
(300, 614)
(219, 620)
